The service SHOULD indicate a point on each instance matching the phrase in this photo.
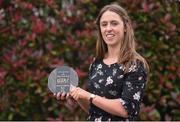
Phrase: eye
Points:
(114, 23)
(103, 24)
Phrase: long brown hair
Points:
(127, 54)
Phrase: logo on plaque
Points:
(62, 79)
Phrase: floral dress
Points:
(111, 82)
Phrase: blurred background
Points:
(37, 36)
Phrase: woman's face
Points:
(112, 28)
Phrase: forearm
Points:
(112, 106)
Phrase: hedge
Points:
(38, 36)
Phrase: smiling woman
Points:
(112, 28)
(118, 75)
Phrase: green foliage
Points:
(37, 36)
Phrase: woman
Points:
(118, 75)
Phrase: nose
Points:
(108, 28)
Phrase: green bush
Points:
(37, 36)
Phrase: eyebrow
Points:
(110, 21)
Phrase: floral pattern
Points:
(136, 96)
(111, 82)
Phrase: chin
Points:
(111, 42)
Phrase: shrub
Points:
(37, 36)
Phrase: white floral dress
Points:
(111, 82)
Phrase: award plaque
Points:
(62, 79)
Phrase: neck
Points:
(112, 53)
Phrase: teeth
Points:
(110, 35)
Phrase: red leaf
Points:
(50, 2)
(1, 2)
(172, 68)
(147, 109)
(81, 73)
(167, 17)
(163, 101)
(169, 86)
(38, 26)
(53, 29)
(55, 63)
(7, 57)
(22, 42)
(49, 45)
(178, 98)
(38, 75)
(168, 117)
(2, 76)
(172, 27)
(60, 117)
(31, 37)
(19, 63)
(27, 5)
(20, 95)
(161, 79)
(17, 16)
(145, 7)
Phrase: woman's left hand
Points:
(79, 93)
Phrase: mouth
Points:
(109, 36)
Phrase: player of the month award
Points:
(62, 79)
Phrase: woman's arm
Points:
(129, 103)
(112, 106)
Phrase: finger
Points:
(63, 96)
(76, 96)
(73, 92)
(67, 95)
(73, 96)
(58, 95)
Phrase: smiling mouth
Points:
(110, 35)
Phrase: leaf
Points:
(148, 54)
(10, 116)
(154, 115)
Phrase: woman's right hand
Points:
(61, 96)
